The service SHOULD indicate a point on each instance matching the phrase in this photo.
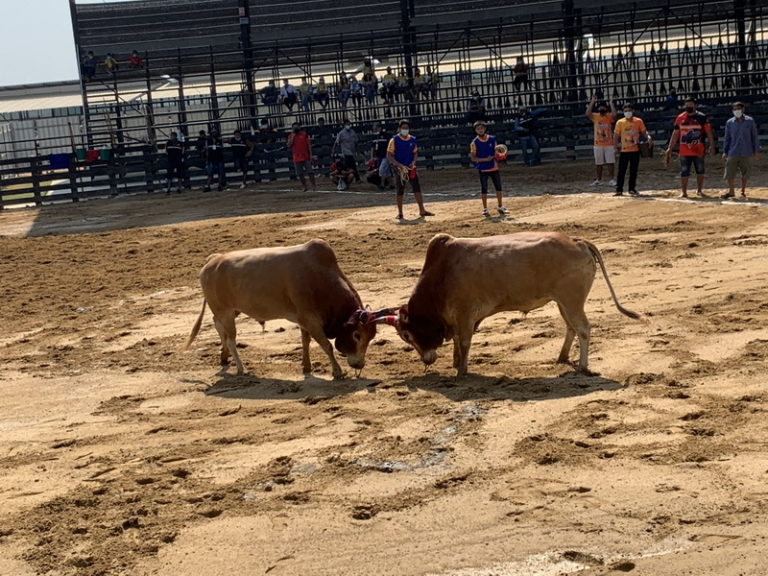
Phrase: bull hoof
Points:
(340, 376)
(587, 372)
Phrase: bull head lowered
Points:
(465, 280)
(302, 284)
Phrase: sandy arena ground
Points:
(122, 454)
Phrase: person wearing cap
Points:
(693, 134)
(603, 145)
(627, 135)
(402, 153)
(741, 144)
(482, 152)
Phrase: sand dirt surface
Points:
(122, 454)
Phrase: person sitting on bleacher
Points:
(475, 108)
(110, 63)
(288, 95)
(355, 91)
(369, 86)
(269, 94)
(134, 60)
(305, 94)
(321, 92)
(388, 86)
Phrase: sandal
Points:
(426, 213)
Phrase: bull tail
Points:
(597, 256)
(196, 327)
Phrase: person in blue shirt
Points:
(402, 153)
(482, 152)
(740, 146)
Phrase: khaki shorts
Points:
(605, 155)
(741, 164)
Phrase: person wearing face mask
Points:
(627, 135)
(346, 144)
(300, 145)
(402, 153)
(603, 126)
(741, 144)
(693, 134)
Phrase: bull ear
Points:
(403, 314)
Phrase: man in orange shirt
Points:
(604, 152)
(627, 135)
(691, 130)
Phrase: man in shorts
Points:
(482, 152)
(604, 150)
(402, 153)
(300, 146)
(741, 144)
(693, 133)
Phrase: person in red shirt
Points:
(300, 145)
(693, 133)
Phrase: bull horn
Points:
(389, 319)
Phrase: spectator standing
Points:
(379, 155)
(690, 131)
(346, 144)
(89, 66)
(174, 151)
(370, 87)
(627, 136)
(355, 91)
(323, 138)
(526, 129)
(482, 151)
(202, 140)
(241, 154)
(300, 146)
(520, 74)
(741, 144)
(603, 147)
(402, 153)
(342, 91)
(214, 155)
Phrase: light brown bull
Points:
(465, 280)
(303, 284)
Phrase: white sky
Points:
(36, 41)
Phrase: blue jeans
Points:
(532, 158)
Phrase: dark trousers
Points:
(631, 159)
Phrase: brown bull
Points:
(303, 284)
(465, 280)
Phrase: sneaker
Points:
(242, 185)
(634, 193)
(595, 183)
(502, 211)
(486, 214)
(618, 193)
(612, 183)
(727, 195)
(399, 216)
(206, 188)
(426, 213)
